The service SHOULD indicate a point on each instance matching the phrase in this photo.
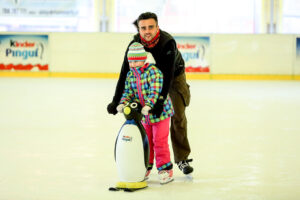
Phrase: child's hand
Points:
(145, 110)
(120, 108)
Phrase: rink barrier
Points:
(189, 76)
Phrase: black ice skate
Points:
(185, 167)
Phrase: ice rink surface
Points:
(57, 141)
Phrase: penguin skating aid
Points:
(131, 151)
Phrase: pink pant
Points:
(158, 134)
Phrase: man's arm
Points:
(121, 82)
(111, 108)
(169, 67)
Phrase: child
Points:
(143, 84)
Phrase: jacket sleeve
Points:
(156, 82)
(168, 68)
(122, 77)
(128, 94)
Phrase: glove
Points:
(158, 107)
(120, 108)
(145, 110)
(112, 108)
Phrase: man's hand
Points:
(112, 108)
(158, 108)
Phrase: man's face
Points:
(148, 29)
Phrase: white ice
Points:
(57, 141)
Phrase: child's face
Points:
(136, 64)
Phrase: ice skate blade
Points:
(167, 182)
(113, 189)
(189, 176)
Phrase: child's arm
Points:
(127, 93)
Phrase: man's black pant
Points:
(180, 96)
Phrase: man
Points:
(169, 60)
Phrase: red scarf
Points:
(152, 42)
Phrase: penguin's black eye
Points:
(133, 105)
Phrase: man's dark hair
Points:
(146, 15)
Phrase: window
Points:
(192, 16)
(291, 16)
(47, 15)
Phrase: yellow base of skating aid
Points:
(132, 185)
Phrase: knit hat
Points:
(136, 52)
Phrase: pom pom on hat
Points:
(136, 52)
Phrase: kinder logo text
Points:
(14, 43)
(186, 46)
(126, 138)
(24, 50)
(188, 51)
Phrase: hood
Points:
(150, 59)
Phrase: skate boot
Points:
(147, 174)
(165, 176)
(150, 166)
(185, 167)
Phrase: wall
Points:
(87, 52)
(231, 54)
(253, 54)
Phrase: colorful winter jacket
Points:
(168, 60)
(143, 85)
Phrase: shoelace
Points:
(183, 164)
